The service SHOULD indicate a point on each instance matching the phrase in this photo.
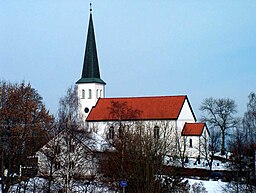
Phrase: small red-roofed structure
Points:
(194, 129)
(195, 138)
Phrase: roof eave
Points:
(114, 120)
(192, 135)
(90, 80)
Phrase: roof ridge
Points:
(195, 123)
(131, 97)
(150, 108)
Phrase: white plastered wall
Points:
(167, 128)
(86, 101)
(186, 115)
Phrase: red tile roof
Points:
(193, 129)
(137, 108)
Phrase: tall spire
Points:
(91, 72)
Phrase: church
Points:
(164, 118)
(101, 113)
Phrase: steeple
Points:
(91, 72)
(90, 86)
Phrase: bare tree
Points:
(249, 120)
(140, 150)
(69, 121)
(181, 147)
(24, 121)
(211, 146)
(48, 163)
(220, 114)
(67, 158)
(242, 164)
(69, 116)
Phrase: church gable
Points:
(186, 113)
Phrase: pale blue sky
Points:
(145, 47)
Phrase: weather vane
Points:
(90, 7)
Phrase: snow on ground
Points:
(216, 165)
(192, 163)
(210, 186)
(39, 185)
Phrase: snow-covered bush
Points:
(198, 188)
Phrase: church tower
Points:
(90, 86)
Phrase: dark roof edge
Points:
(139, 119)
(132, 97)
(90, 80)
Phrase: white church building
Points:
(96, 109)
(102, 115)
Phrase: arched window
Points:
(97, 93)
(90, 94)
(111, 132)
(190, 143)
(83, 94)
(120, 132)
(101, 93)
(156, 132)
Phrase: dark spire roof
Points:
(91, 72)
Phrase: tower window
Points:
(97, 93)
(190, 143)
(156, 132)
(90, 94)
(83, 94)
(101, 93)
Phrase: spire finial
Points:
(90, 7)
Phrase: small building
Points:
(195, 136)
(72, 154)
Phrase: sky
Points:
(145, 47)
